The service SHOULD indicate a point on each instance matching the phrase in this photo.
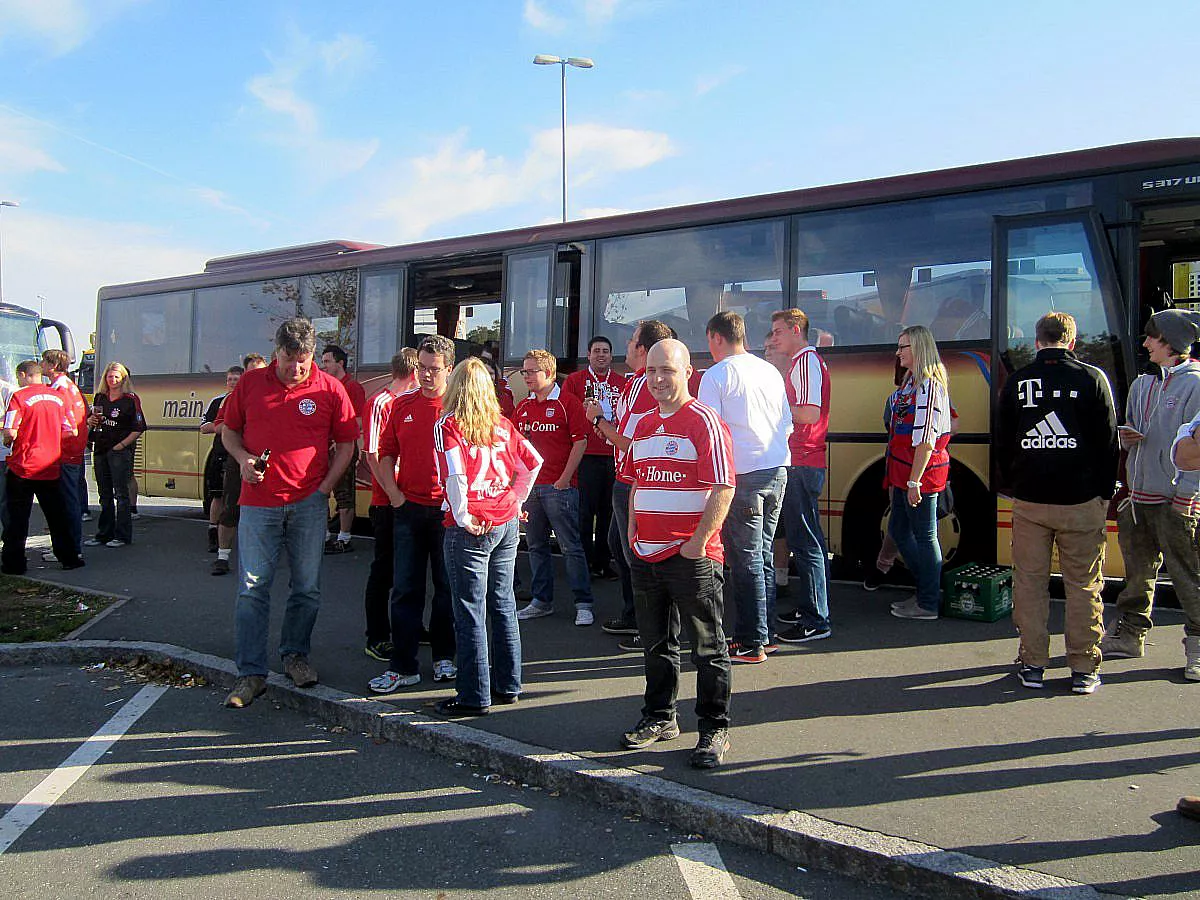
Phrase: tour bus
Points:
(977, 254)
(24, 335)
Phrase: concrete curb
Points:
(794, 836)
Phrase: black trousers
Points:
(666, 592)
(376, 598)
(596, 475)
(20, 493)
(419, 538)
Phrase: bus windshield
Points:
(18, 342)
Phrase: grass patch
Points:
(33, 611)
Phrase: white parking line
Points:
(704, 872)
(58, 782)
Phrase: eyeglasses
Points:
(531, 373)
(428, 370)
(903, 346)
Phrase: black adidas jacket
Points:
(1056, 434)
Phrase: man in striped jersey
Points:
(681, 464)
(634, 401)
(379, 578)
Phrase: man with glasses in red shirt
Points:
(554, 423)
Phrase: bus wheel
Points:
(965, 535)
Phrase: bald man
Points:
(681, 465)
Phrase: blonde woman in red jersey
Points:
(487, 470)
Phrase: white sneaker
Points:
(1191, 651)
(391, 681)
(93, 542)
(534, 610)
(444, 670)
(48, 556)
(584, 617)
(115, 543)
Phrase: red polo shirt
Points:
(408, 439)
(42, 419)
(552, 427)
(357, 395)
(606, 388)
(296, 424)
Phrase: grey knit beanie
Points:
(1179, 327)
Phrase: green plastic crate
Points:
(977, 591)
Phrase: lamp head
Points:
(543, 60)
(580, 62)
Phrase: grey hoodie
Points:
(1158, 406)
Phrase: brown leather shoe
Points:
(1189, 807)
(245, 689)
(297, 668)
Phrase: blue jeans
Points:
(618, 543)
(70, 484)
(114, 468)
(914, 529)
(806, 541)
(263, 534)
(419, 540)
(481, 582)
(748, 535)
(550, 508)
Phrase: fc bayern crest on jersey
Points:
(671, 448)
(307, 407)
(550, 413)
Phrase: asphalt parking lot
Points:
(199, 801)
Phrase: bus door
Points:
(1055, 262)
(544, 292)
(1168, 260)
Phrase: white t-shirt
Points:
(749, 396)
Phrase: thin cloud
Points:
(62, 24)
(456, 181)
(21, 150)
(714, 80)
(537, 17)
(279, 94)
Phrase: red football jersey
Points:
(605, 389)
(42, 419)
(674, 462)
(488, 470)
(73, 445)
(552, 427)
(409, 440)
(296, 424)
(374, 425)
(807, 384)
(634, 402)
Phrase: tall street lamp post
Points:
(3, 203)
(579, 62)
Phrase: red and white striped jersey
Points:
(807, 384)
(489, 471)
(633, 403)
(374, 426)
(674, 462)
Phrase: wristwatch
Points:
(914, 484)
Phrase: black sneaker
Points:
(789, 618)
(220, 566)
(648, 730)
(710, 750)
(1031, 676)
(632, 644)
(619, 626)
(333, 545)
(802, 634)
(873, 579)
(1084, 682)
(380, 650)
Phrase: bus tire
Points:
(967, 534)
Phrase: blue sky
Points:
(142, 137)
